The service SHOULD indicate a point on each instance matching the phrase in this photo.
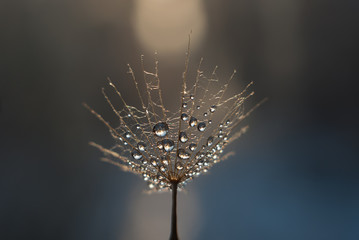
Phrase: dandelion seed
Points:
(160, 145)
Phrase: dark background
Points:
(294, 175)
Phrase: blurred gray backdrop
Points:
(294, 175)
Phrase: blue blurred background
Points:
(295, 174)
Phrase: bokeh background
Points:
(295, 175)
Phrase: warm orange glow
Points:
(163, 25)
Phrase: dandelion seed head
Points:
(166, 146)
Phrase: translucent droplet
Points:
(128, 115)
(138, 127)
(136, 155)
(198, 107)
(184, 105)
(141, 146)
(127, 134)
(125, 143)
(210, 121)
(220, 135)
(213, 108)
(151, 186)
(165, 162)
(225, 138)
(193, 121)
(153, 161)
(160, 145)
(210, 141)
(179, 166)
(144, 161)
(191, 97)
(160, 129)
(228, 122)
(182, 154)
(192, 147)
(168, 145)
(201, 126)
(205, 114)
(184, 117)
(183, 137)
(221, 125)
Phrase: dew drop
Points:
(213, 108)
(136, 155)
(198, 107)
(165, 162)
(160, 145)
(182, 154)
(210, 121)
(141, 146)
(160, 129)
(205, 114)
(153, 161)
(193, 121)
(184, 105)
(210, 141)
(191, 97)
(184, 117)
(220, 135)
(228, 122)
(201, 126)
(167, 145)
(128, 115)
(127, 134)
(183, 137)
(192, 147)
(179, 166)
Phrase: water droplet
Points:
(191, 97)
(210, 141)
(228, 122)
(184, 105)
(221, 125)
(120, 138)
(160, 145)
(162, 168)
(210, 121)
(183, 137)
(205, 114)
(193, 121)
(153, 161)
(198, 107)
(201, 126)
(179, 166)
(141, 146)
(138, 127)
(225, 138)
(182, 154)
(220, 135)
(212, 109)
(165, 162)
(144, 161)
(184, 117)
(128, 115)
(136, 155)
(127, 134)
(167, 145)
(192, 147)
(151, 186)
(160, 129)
(125, 143)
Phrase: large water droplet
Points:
(193, 121)
(192, 147)
(136, 155)
(141, 146)
(212, 109)
(184, 117)
(182, 154)
(210, 141)
(183, 137)
(168, 145)
(201, 126)
(160, 129)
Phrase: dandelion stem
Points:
(174, 235)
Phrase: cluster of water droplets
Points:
(164, 146)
